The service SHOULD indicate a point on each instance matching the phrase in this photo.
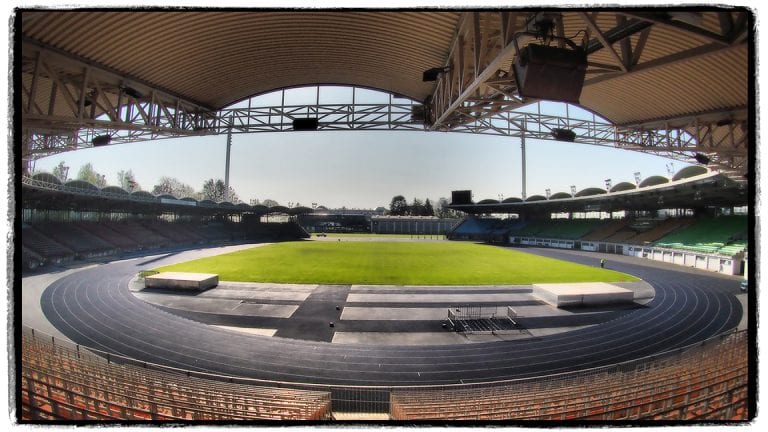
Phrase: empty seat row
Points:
(64, 383)
(706, 382)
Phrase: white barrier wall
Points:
(713, 263)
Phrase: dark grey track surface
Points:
(94, 307)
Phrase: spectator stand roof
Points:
(655, 192)
(663, 70)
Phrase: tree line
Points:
(216, 191)
(399, 206)
(212, 189)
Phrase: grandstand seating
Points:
(43, 245)
(30, 257)
(723, 234)
(74, 238)
(66, 383)
(137, 232)
(605, 231)
(105, 232)
(622, 235)
(567, 229)
(175, 232)
(706, 382)
(473, 228)
(46, 242)
(641, 232)
(701, 383)
(658, 231)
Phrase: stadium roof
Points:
(679, 65)
(703, 190)
(648, 68)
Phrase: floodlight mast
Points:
(226, 168)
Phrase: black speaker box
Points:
(305, 124)
(550, 73)
(101, 140)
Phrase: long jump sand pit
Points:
(582, 294)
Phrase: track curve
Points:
(94, 307)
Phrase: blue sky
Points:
(365, 169)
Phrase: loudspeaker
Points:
(701, 158)
(305, 124)
(101, 140)
(461, 197)
(550, 73)
(564, 135)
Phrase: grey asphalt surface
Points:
(94, 307)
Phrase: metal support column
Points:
(226, 168)
(522, 148)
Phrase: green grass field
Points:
(371, 235)
(393, 263)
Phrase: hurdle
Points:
(479, 319)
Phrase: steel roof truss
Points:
(482, 48)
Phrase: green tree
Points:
(173, 186)
(442, 210)
(428, 209)
(127, 181)
(416, 208)
(398, 206)
(87, 173)
(217, 191)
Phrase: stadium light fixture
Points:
(547, 192)
(608, 185)
(573, 190)
(637, 178)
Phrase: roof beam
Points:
(737, 114)
(667, 20)
(603, 40)
(490, 53)
(84, 96)
(697, 52)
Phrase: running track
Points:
(94, 307)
